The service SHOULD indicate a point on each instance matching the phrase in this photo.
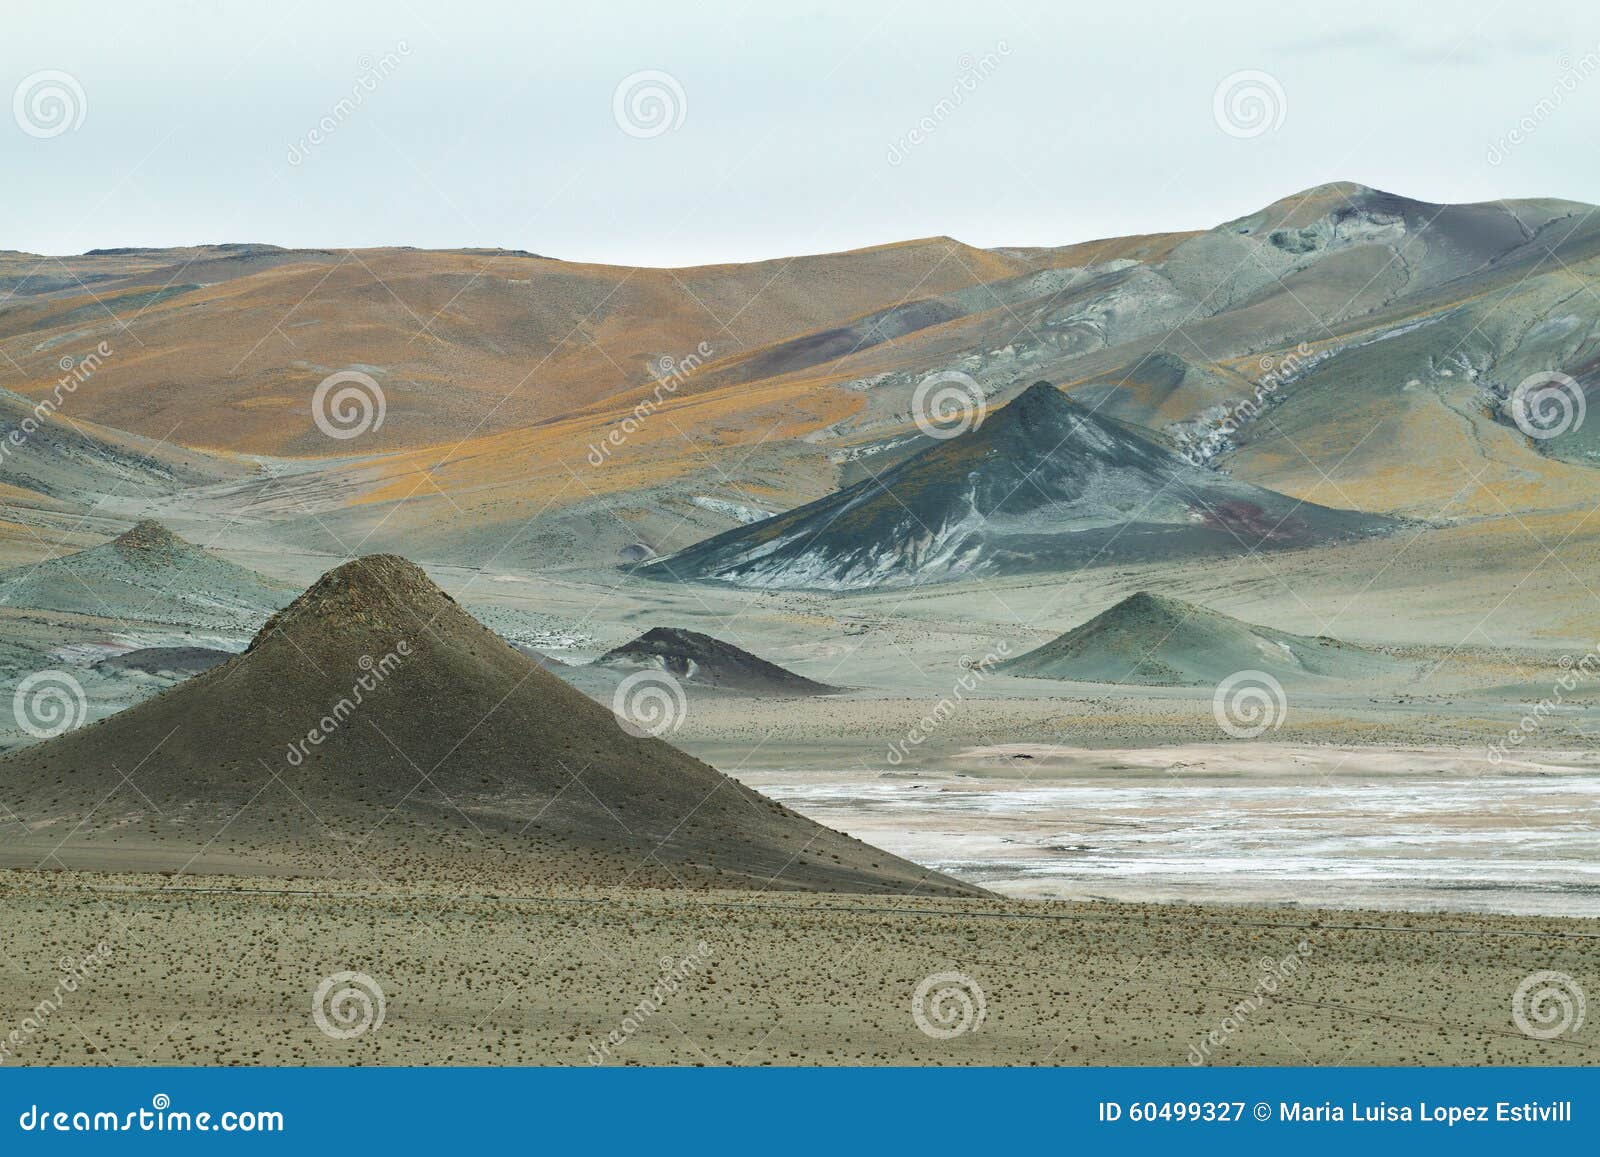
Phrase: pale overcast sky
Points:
(789, 127)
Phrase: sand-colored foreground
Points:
(224, 971)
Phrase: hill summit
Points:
(1161, 641)
(376, 593)
(374, 726)
(147, 538)
(1042, 484)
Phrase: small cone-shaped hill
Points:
(702, 660)
(374, 726)
(172, 662)
(147, 573)
(1160, 641)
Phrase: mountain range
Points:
(1379, 341)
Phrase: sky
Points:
(692, 133)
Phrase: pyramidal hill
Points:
(374, 726)
(147, 573)
(701, 660)
(1043, 484)
(1156, 640)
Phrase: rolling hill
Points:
(526, 338)
(1384, 340)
